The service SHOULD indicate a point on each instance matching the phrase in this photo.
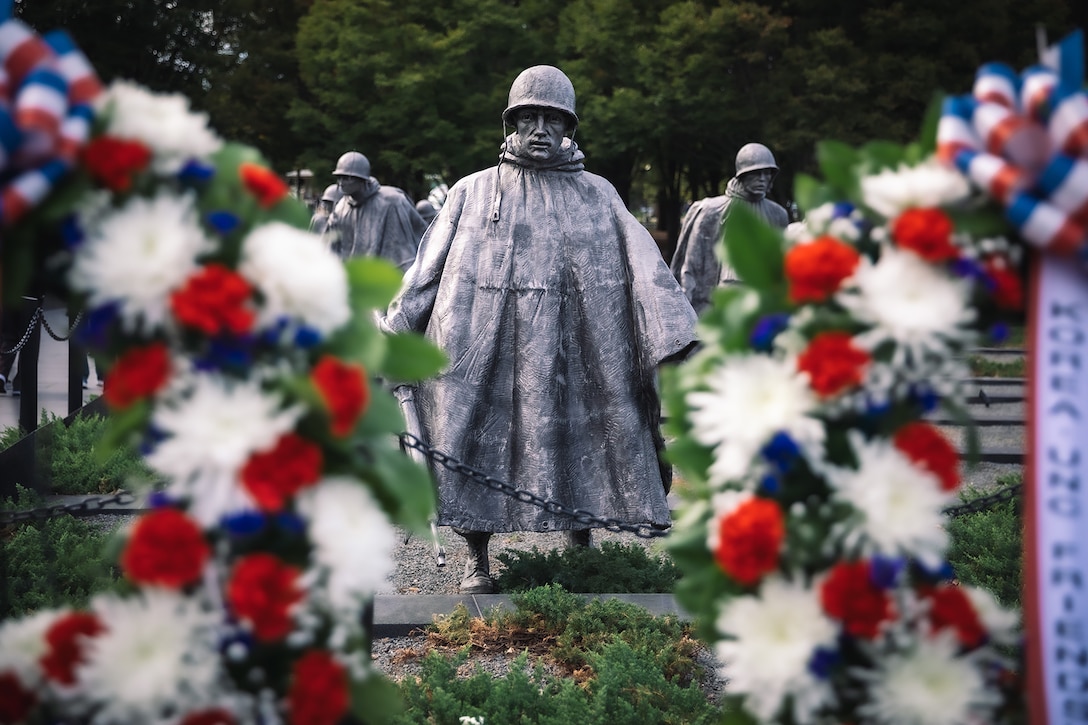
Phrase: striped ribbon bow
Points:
(47, 90)
(1023, 138)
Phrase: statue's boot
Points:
(477, 579)
(579, 537)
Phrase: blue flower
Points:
(291, 522)
(781, 450)
(999, 332)
(307, 337)
(160, 500)
(766, 329)
(93, 330)
(770, 485)
(970, 269)
(884, 571)
(227, 352)
(223, 222)
(823, 660)
(244, 523)
(195, 172)
(925, 396)
(842, 210)
(943, 571)
(71, 232)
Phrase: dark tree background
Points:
(668, 90)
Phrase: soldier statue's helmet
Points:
(353, 163)
(755, 157)
(332, 193)
(541, 86)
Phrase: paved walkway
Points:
(52, 373)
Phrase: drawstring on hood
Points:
(569, 158)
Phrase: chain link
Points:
(984, 503)
(67, 336)
(26, 335)
(81, 508)
(645, 531)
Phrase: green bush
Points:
(637, 668)
(76, 465)
(617, 568)
(60, 561)
(986, 546)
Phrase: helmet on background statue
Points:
(755, 157)
(354, 164)
(332, 193)
(541, 86)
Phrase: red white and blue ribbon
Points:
(47, 91)
(1024, 140)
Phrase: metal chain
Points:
(985, 502)
(82, 508)
(26, 335)
(645, 531)
(68, 335)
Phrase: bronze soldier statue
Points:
(371, 219)
(555, 309)
(695, 264)
(324, 208)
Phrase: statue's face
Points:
(349, 184)
(757, 183)
(541, 131)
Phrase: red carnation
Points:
(927, 448)
(833, 363)
(16, 701)
(140, 372)
(113, 162)
(344, 389)
(319, 690)
(214, 716)
(927, 233)
(848, 594)
(1008, 290)
(213, 300)
(262, 590)
(275, 475)
(64, 642)
(815, 270)
(951, 607)
(749, 539)
(166, 548)
(263, 183)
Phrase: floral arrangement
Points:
(812, 536)
(241, 359)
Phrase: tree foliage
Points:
(668, 90)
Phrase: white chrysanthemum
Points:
(163, 122)
(298, 277)
(772, 638)
(22, 644)
(899, 505)
(1003, 625)
(909, 302)
(211, 429)
(927, 685)
(751, 398)
(928, 185)
(353, 539)
(157, 652)
(138, 255)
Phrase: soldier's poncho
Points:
(695, 264)
(385, 224)
(554, 307)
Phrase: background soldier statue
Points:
(555, 308)
(695, 264)
(426, 210)
(371, 219)
(324, 208)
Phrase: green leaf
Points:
(376, 700)
(383, 415)
(838, 163)
(927, 137)
(359, 341)
(878, 155)
(733, 712)
(404, 487)
(754, 249)
(970, 428)
(374, 282)
(810, 193)
(123, 427)
(410, 357)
